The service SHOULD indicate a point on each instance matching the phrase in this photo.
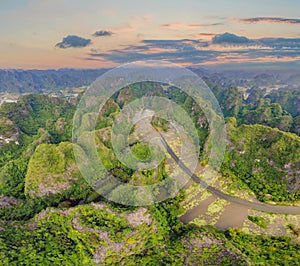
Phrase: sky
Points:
(44, 34)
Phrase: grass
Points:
(141, 151)
(260, 221)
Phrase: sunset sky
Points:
(42, 34)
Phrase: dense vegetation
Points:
(50, 216)
(87, 234)
(277, 109)
(262, 250)
(266, 159)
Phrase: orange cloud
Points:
(204, 34)
(180, 26)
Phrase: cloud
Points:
(193, 57)
(173, 50)
(102, 33)
(184, 44)
(180, 26)
(195, 52)
(281, 43)
(204, 34)
(73, 41)
(184, 26)
(271, 20)
(229, 38)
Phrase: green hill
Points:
(266, 159)
(57, 219)
(100, 234)
(51, 170)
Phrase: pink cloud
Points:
(180, 26)
(204, 34)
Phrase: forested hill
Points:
(22, 81)
(49, 215)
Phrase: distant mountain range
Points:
(39, 81)
(36, 81)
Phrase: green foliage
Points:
(13, 173)
(167, 213)
(52, 170)
(7, 127)
(278, 109)
(262, 158)
(186, 102)
(53, 243)
(160, 123)
(141, 151)
(40, 111)
(117, 227)
(25, 209)
(230, 101)
(296, 125)
(72, 237)
(12, 150)
(288, 99)
(264, 250)
(259, 156)
(194, 246)
(12, 178)
(61, 237)
(260, 221)
(269, 114)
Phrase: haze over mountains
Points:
(24, 81)
(37, 81)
